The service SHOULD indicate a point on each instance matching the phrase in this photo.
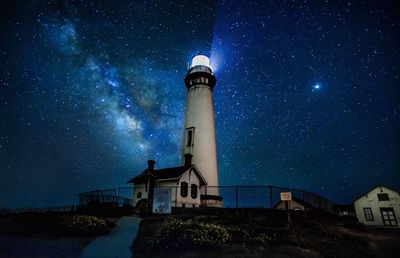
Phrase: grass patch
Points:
(254, 236)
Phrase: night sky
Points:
(307, 93)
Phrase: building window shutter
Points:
(184, 189)
(193, 191)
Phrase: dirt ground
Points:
(384, 242)
(40, 246)
(22, 240)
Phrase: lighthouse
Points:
(198, 172)
(199, 128)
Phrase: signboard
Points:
(162, 200)
(286, 196)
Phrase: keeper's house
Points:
(186, 183)
(379, 207)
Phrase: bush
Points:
(84, 225)
(175, 233)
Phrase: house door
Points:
(388, 217)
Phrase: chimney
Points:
(150, 164)
(188, 159)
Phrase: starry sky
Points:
(307, 93)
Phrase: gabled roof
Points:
(170, 173)
(173, 173)
(141, 178)
(373, 188)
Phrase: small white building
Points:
(186, 183)
(378, 207)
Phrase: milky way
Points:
(307, 93)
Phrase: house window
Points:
(193, 191)
(368, 214)
(190, 136)
(383, 197)
(184, 189)
(388, 216)
(139, 195)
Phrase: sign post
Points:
(162, 200)
(287, 197)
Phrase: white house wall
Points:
(370, 200)
(189, 177)
(138, 188)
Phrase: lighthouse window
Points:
(193, 191)
(184, 189)
(206, 80)
(202, 79)
(190, 135)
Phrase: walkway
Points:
(117, 243)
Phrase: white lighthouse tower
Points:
(199, 131)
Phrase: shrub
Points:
(174, 233)
(245, 234)
(84, 225)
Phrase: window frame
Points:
(190, 136)
(193, 191)
(385, 195)
(184, 189)
(368, 216)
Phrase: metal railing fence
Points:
(249, 196)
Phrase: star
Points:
(316, 87)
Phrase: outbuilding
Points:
(380, 206)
